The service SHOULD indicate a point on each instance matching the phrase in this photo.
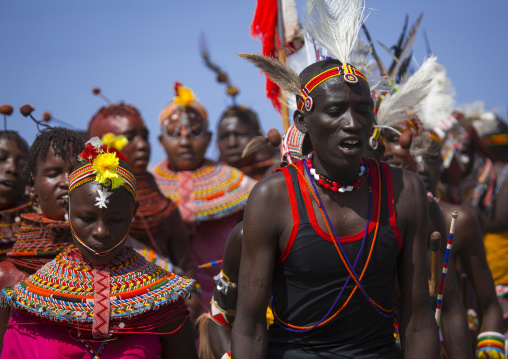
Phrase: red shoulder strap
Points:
(391, 202)
(294, 212)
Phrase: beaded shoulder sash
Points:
(210, 192)
(63, 291)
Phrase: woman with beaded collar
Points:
(43, 235)
(210, 196)
(13, 156)
(100, 300)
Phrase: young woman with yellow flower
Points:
(100, 300)
(51, 159)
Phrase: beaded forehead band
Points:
(350, 73)
(103, 167)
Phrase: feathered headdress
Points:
(435, 110)
(335, 24)
(399, 106)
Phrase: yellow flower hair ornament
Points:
(103, 167)
(184, 95)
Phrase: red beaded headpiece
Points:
(350, 73)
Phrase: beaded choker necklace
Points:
(332, 185)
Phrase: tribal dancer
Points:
(338, 229)
(473, 176)
(13, 155)
(51, 158)
(211, 196)
(100, 300)
(408, 145)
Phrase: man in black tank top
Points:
(323, 241)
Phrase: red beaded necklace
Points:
(332, 185)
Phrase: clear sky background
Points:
(53, 52)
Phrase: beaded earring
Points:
(34, 199)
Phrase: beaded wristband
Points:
(221, 316)
(490, 345)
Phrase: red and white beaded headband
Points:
(87, 173)
(350, 73)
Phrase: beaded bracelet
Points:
(227, 355)
(490, 345)
(221, 316)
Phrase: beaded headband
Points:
(350, 73)
(103, 167)
(184, 98)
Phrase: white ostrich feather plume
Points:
(399, 106)
(335, 24)
(437, 106)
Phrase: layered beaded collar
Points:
(63, 291)
(10, 226)
(332, 185)
(211, 192)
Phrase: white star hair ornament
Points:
(102, 200)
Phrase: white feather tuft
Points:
(399, 106)
(436, 109)
(335, 24)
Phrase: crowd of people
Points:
(336, 248)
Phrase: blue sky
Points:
(54, 52)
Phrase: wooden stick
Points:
(455, 215)
(435, 269)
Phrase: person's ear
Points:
(32, 193)
(209, 138)
(135, 210)
(299, 119)
(160, 138)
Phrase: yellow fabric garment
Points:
(269, 317)
(496, 246)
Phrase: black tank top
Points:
(310, 274)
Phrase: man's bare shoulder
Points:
(270, 188)
(406, 183)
